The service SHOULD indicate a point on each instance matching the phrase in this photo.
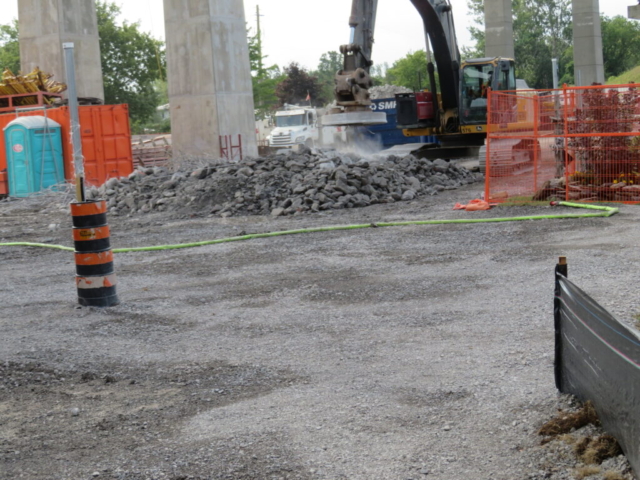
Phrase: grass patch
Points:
(581, 446)
(565, 422)
(637, 321)
(584, 472)
(595, 451)
(568, 439)
(613, 475)
(629, 76)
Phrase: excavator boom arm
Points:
(438, 22)
(439, 27)
(363, 23)
(353, 81)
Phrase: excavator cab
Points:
(477, 76)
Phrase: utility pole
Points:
(554, 68)
(260, 66)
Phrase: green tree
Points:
(566, 73)
(620, 45)
(264, 91)
(410, 71)
(9, 47)
(297, 85)
(330, 63)
(378, 73)
(476, 7)
(542, 31)
(132, 61)
(256, 58)
(157, 124)
(264, 79)
(162, 87)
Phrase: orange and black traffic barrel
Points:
(95, 276)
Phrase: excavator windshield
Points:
(476, 79)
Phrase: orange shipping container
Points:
(106, 141)
(4, 184)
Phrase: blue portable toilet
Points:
(34, 155)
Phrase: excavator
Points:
(454, 110)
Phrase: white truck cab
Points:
(297, 125)
(294, 126)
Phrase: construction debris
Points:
(622, 189)
(152, 151)
(35, 82)
(387, 91)
(286, 184)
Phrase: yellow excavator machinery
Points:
(454, 109)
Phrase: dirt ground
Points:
(386, 353)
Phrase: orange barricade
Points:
(95, 277)
(574, 143)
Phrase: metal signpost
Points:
(76, 141)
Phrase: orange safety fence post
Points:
(487, 163)
(536, 119)
(565, 120)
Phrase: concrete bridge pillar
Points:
(45, 24)
(210, 92)
(587, 43)
(498, 25)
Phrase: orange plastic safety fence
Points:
(574, 144)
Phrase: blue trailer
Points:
(388, 135)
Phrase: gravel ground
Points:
(386, 353)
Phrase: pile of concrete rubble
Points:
(282, 184)
(387, 91)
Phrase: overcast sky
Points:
(302, 30)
